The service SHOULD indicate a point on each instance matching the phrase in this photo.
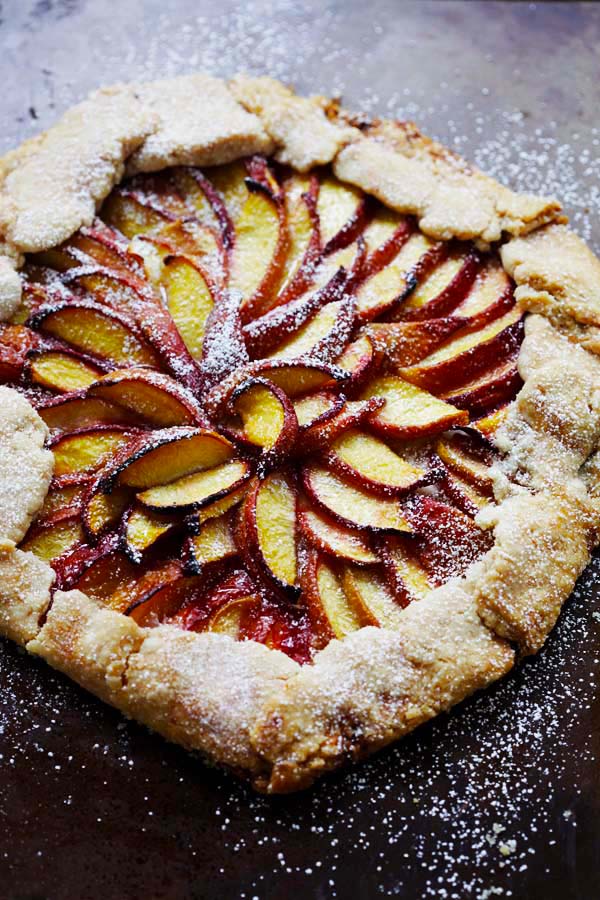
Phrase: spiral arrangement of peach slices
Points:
(270, 400)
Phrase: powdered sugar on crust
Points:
(412, 174)
(303, 134)
(199, 123)
(55, 186)
(25, 466)
(10, 288)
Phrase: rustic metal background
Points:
(501, 798)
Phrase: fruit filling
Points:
(271, 403)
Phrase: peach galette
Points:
(287, 467)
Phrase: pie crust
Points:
(245, 706)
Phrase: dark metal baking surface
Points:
(502, 797)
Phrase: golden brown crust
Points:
(25, 467)
(413, 174)
(25, 577)
(376, 685)
(10, 288)
(303, 135)
(204, 691)
(246, 706)
(199, 124)
(55, 184)
(558, 276)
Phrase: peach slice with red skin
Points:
(72, 566)
(94, 329)
(230, 618)
(132, 214)
(407, 580)
(104, 568)
(328, 427)
(206, 201)
(269, 419)
(16, 343)
(444, 289)
(368, 593)
(213, 543)
(369, 463)
(101, 511)
(486, 391)
(56, 535)
(149, 395)
(468, 353)
(448, 541)
(342, 211)
(263, 334)
(268, 532)
(462, 493)
(350, 505)
(406, 343)
(469, 458)
(74, 410)
(410, 411)
(324, 336)
(259, 251)
(195, 613)
(313, 409)
(79, 454)
(334, 539)
(164, 456)
(62, 371)
(224, 350)
(142, 528)
(331, 612)
(190, 300)
(199, 489)
(300, 197)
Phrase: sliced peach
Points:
(367, 592)
(405, 343)
(189, 300)
(268, 417)
(16, 342)
(368, 462)
(407, 579)
(104, 574)
(384, 235)
(317, 408)
(229, 618)
(488, 390)
(491, 295)
(197, 490)
(331, 613)
(389, 281)
(102, 511)
(336, 540)
(300, 194)
(224, 350)
(488, 425)
(71, 566)
(259, 251)
(153, 396)
(143, 528)
(298, 377)
(213, 543)
(409, 411)
(468, 353)
(358, 360)
(54, 537)
(132, 214)
(342, 211)
(444, 289)
(77, 411)
(470, 459)
(325, 336)
(229, 181)
(173, 453)
(463, 494)
(62, 371)
(156, 596)
(194, 615)
(328, 427)
(274, 327)
(269, 526)
(206, 201)
(448, 542)
(350, 505)
(217, 508)
(70, 497)
(78, 455)
(97, 330)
